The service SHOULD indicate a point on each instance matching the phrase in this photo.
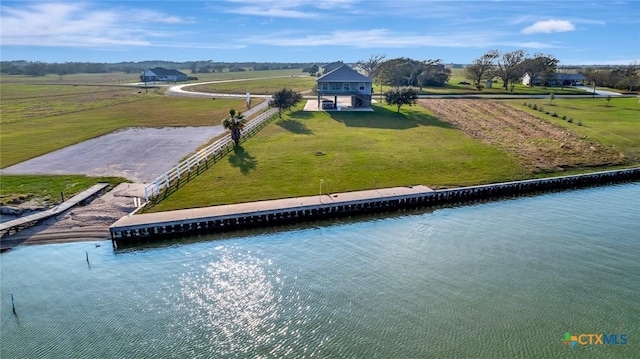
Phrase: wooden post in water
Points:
(13, 306)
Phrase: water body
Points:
(500, 279)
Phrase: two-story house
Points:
(345, 81)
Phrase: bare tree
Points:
(509, 67)
(482, 67)
(564, 73)
(368, 66)
(631, 73)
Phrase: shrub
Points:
(547, 113)
(579, 123)
(535, 107)
(564, 117)
(541, 109)
(555, 114)
(570, 120)
(524, 104)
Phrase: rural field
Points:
(439, 143)
(539, 146)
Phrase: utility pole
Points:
(594, 83)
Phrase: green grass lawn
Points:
(120, 78)
(260, 86)
(348, 151)
(46, 189)
(360, 149)
(615, 125)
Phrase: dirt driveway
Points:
(138, 154)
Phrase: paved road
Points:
(138, 154)
(598, 91)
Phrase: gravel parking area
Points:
(138, 154)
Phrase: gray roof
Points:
(332, 66)
(573, 77)
(344, 73)
(161, 71)
(564, 76)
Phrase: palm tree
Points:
(234, 123)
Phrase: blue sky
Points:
(575, 32)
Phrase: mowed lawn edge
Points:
(614, 123)
(347, 151)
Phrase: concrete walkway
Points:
(260, 208)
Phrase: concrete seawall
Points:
(152, 226)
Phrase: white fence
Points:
(204, 155)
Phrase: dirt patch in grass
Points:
(539, 145)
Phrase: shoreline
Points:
(91, 222)
(215, 219)
(80, 223)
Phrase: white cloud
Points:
(293, 9)
(535, 45)
(79, 25)
(549, 26)
(374, 38)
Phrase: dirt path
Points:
(539, 145)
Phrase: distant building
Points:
(162, 74)
(553, 80)
(345, 81)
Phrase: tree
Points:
(482, 68)
(314, 70)
(509, 67)
(234, 123)
(405, 96)
(285, 99)
(368, 66)
(408, 72)
(432, 73)
(564, 73)
(631, 79)
(540, 66)
(396, 72)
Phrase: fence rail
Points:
(212, 152)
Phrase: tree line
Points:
(39, 68)
(510, 67)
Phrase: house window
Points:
(361, 86)
(335, 86)
(325, 86)
(346, 86)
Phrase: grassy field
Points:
(115, 78)
(40, 115)
(46, 190)
(260, 86)
(615, 124)
(66, 120)
(348, 151)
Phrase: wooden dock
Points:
(31, 219)
(151, 226)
